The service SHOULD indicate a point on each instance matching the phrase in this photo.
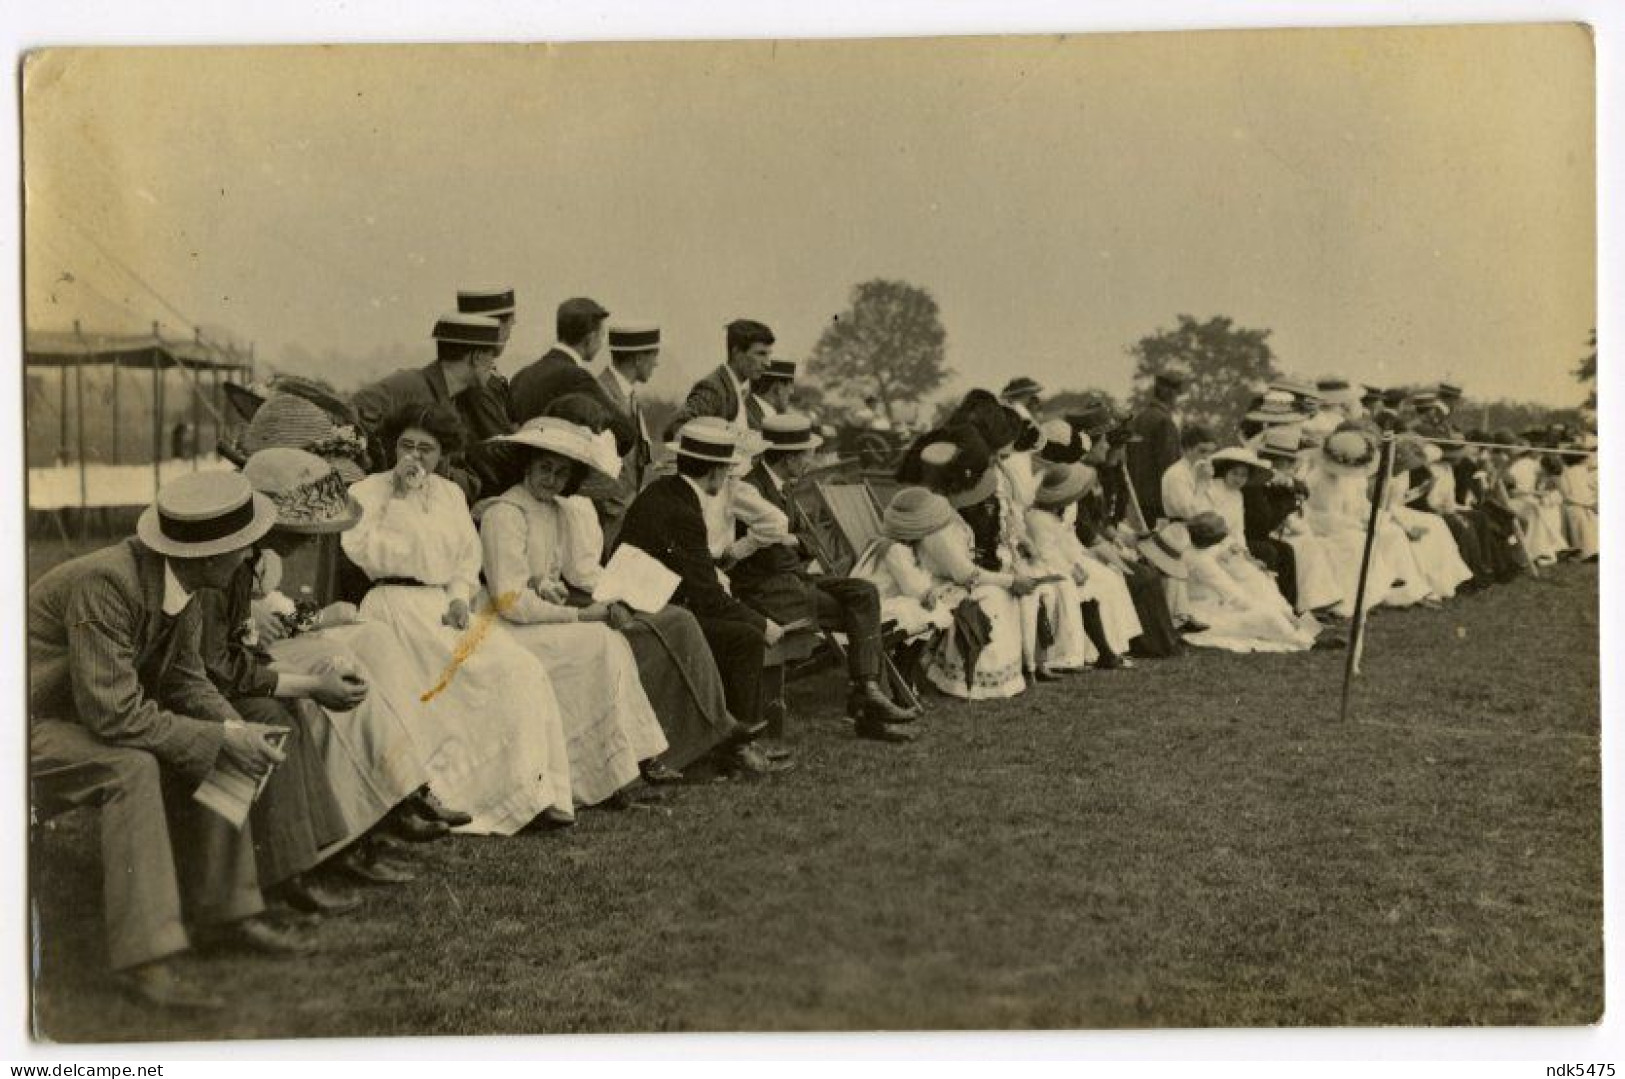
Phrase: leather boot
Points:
(868, 701)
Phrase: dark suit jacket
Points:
(713, 395)
(103, 654)
(482, 410)
(666, 522)
(556, 374)
(1150, 458)
(753, 412)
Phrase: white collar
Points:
(176, 597)
(570, 352)
(742, 387)
(778, 484)
(698, 490)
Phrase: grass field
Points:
(1196, 842)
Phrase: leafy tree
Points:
(890, 342)
(1587, 371)
(1221, 362)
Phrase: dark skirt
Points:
(1158, 638)
(682, 682)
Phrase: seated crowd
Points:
(386, 620)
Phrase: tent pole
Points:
(157, 411)
(79, 424)
(116, 458)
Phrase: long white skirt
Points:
(1069, 648)
(1117, 614)
(368, 753)
(1437, 555)
(1580, 525)
(609, 725)
(998, 667)
(489, 729)
(1317, 584)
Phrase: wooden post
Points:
(62, 414)
(79, 424)
(1385, 459)
(157, 410)
(117, 458)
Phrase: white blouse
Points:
(527, 539)
(426, 534)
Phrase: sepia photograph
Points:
(1087, 531)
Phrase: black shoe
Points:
(405, 824)
(157, 984)
(747, 762)
(875, 731)
(655, 774)
(303, 894)
(1191, 625)
(772, 749)
(1044, 674)
(429, 807)
(365, 865)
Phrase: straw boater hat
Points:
(308, 492)
(1237, 455)
(1019, 389)
(708, 438)
(1065, 484)
(1165, 549)
(203, 514)
(1282, 443)
(634, 337)
(915, 513)
(1277, 406)
(1206, 529)
(1350, 448)
(1337, 391)
(1173, 380)
(1370, 395)
(571, 440)
(476, 331)
(789, 431)
(490, 302)
(288, 421)
(1425, 399)
(779, 370)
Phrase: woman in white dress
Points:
(1233, 469)
(1432, 544)
(1338, 510)
(540, 540)
(1578, 486)
(1240, 617)
(1530, 492)
(1106, 608)
(1317, 588)
(489, 729)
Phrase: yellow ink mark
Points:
(480, 626)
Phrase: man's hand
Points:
(773, 632)
(456, 615)
(248, 746)
(620, 617)
(340, 692)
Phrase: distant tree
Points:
(1586, 373)
(1222, 364)
(890, 342)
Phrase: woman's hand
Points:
(1079, 575)
(1022, 585)
(553, 591)
(456, 615)
(408, 476)
(339, 691)
(338, 614)
(620, 617)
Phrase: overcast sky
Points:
(1396, 205)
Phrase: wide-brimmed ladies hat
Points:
(1063, 485)
(1165, 549)
(1020, 388)
(708, 438)
(915, 513)
(571, 440)
(1206, 529)
(307, 491)
(789, 431)
(203, 514)
(1276, 406)
(1350, 448)
(1237, 455)
(290, 420)
(1063, 444)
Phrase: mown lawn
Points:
(1197, 842)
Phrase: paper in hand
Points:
(637, 579)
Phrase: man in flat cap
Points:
(466, 349)
(1157, 447)
(634, 352)
(724, 392)
(565, 368)
(770, 392)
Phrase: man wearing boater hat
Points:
(770, 392)
(466, 348)
(724, 392)
(492, 403)
(124, 717)
(775, 581)
(1157, 447)
(667, 521)
(634, 352)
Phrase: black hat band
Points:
(696, 447)
(208, 528)
(633, 340)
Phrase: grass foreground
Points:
(1196, 842)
